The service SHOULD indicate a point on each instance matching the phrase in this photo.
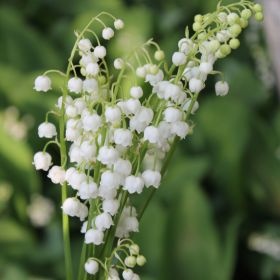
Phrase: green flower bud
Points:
(257, 8)
(232, 18)
(214, 45)
(259, 16)
(198, 18)
(235, 30)
(202, 36)
(159, 55)
(246, 14)
(141, 260)
(225, 49)
(134, 249)
(102, 80)
(244, 23)
(197, 26)
(130, 261)
(154, 69)
(234, 43)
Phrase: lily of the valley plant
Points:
(115, 143)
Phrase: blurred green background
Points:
(216, 217)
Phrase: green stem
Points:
(65, 219)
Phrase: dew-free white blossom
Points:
(151, 134)
(74, 178)
(221, 88)
(132, 106)
(80, 105)
(109, 180)
(196, 85)
(40, 210)
(127, 274)
(151, 178)
(91, 266)
(42, 83)
(100, 51)
(42, 160)
(118, 63)
(194, 108)
(71, 111)
(153, 79)
(47, 130)
(110, 206)
(172, 114)
(75, 85)
(92, 69)
(91, 122)
(107, 193)
(133, 184)
(84, 45)
(206, 67)
(103, 221)
(88, 151)
(74, 208)
(107, 33)
(141, 72)
(57, 174)
(87, 58)
(123, 167)
(88, 190)
(128, 222)
(108, 155)
(136, 92)
(185, 45)
(179, 58)
(66, 101)
(94, 236)
(75, 154)
(119, 24)
(123, 137)
(180, 129)
(90, 85)
(113, 114)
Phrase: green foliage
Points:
(222, 185)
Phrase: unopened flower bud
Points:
(141, 260)
(91, 266)
(130, 261)
(119, 24)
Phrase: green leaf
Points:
(13, 234)
(224, 123)
(182, 169)
(16, 160)
(192, 241)
(22, 47)
(244, 85)
(194, 248)
(151, 237)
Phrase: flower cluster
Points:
(114, 141)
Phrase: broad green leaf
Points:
(192, 241)
(224, 123)
(151, 237)
(182, 169)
